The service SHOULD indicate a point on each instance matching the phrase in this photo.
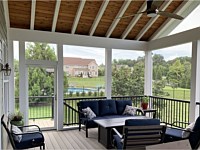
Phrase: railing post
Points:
(52, 107)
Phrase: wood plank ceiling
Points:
(90, 17)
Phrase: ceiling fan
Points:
(152, 11)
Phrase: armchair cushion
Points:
(30, 140)
(187, 130)
(118, 142)
(107, 107)
(121, 104)
(17, 133)
(141, 122)
(130, 110)
(88, 113)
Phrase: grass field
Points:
(177, 93)
(86, 82)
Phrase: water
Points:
(80, 90)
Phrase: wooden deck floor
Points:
(71, 139)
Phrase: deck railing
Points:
(168, 110)
(39, 107)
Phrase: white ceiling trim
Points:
(133, 21)
(98, 17)
(175, 39)
(184, 10)
(55, 17)
(72, 39)
(6, 13)
(152, 20)
(78, 15)
(120, 14)
(33, 5)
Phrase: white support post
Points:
(23, 86)
(148, 73)
(11, 98)
(195, 80)
(108, 73)
(60, 87)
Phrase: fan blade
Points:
(171, 15)
(130, 15)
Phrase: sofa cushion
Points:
(121, 104)
(142, 122)
(94, 105)
(107, 107)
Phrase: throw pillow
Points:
(89, 113)
(16, 130)
(187, 130)
(130, 110)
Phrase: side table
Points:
(149, 110)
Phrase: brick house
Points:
(80, 67)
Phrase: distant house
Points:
(79, 67)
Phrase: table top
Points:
(117, 122)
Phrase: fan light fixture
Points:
(6, 69)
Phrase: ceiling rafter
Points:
(55, 17)
(133, 21)
(152, 20)
(185, 5)
(78, 15)
(98, 17)
(6, 13)
(120, 13)
(33, 5)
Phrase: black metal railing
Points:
(168, 110)
(171, 110)
(39, 107)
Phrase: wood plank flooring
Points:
(71, 139)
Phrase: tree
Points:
(175, 74)
(41, 80)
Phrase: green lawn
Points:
(87, 82)
(177, 93)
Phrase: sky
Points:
(192, 21)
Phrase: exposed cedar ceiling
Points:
(84, 16)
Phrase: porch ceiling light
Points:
(6, 69)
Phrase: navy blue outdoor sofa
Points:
(104, 109)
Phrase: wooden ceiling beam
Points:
(152, 20)
(98, 17)
(184, 10)
(55, 17)
(78, 15)
(32, 23)
(120, 14)
(6, 13)
(133, 21)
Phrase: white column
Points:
(108, 72)
(23, 85)
(195, 80)
(148, 73)
(60, 87)
(11, 98)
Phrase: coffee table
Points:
(105, 126)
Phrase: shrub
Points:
(77, 94)
(90, 93)
(70, 94)
(95, 93)
(101, 93)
